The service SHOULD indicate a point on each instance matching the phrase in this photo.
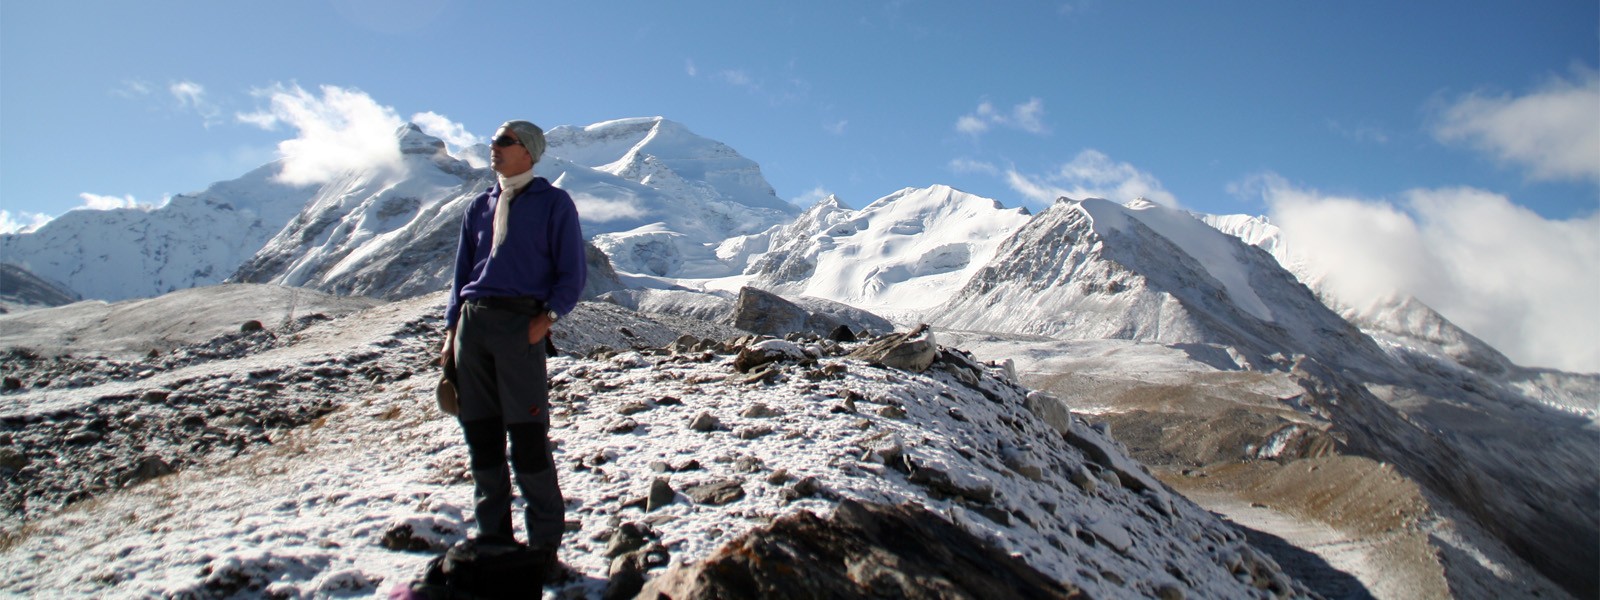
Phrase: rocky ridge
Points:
(661, 442)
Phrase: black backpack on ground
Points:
(475, 570)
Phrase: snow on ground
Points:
(132, 328)
(308, 516)
(1096, 370)
(1356, 555)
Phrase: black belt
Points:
(521, 305)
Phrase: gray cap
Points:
(531, 136)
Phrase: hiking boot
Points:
(546, 563)
(493, 539)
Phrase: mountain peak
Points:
(630, 123)
(904, 250)
(415, 141)
(1141, 203)
(936, 194)
(832, 201)
(1097, 269)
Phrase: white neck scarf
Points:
(509, 187)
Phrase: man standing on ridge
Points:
(519, 268)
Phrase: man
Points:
(519, 268)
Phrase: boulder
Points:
(661, 494)
(766, 313)
(862, 551)
(766, 351)
(12, 459)
(715, 493)
(911, 351)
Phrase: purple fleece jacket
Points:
(542, 257)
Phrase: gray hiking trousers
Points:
(504, 393)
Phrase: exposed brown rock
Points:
(862, 551)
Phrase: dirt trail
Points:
(1337, 564)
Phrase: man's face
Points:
(507, 156)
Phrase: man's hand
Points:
(538, 327)
(447, 352)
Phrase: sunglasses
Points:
(505, 141)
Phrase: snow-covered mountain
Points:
(1093, 269)
(635, 181)
(901, 254)
(654, 186)
(21, 289)
(667, 156)
(380, 232)
(193, 240)
(657, 198)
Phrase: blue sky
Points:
(1192, 101)
(1447, 150)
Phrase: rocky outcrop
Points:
(861, 551)
(1096, 522)
(766, 313)
(602, 278)
(147, 431)
(912, 350)
(649, 484)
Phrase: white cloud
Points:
(777, 88)
(22, 222)
(968, 165)
(971, 125)
(188, 93)
(1034, 189)
(1028, 116)
(1364, 133)
(1075, 7)
(601, 210)
(340, 131)
(100, 202)
(835, 127)
(1092, 174)
(1554, 131)
(1525, 284)
(133, 88)
(688, 67)
(811, 197)
(739, 78)
(192, 96)
(440, 126)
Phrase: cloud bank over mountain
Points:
(1524, 283)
